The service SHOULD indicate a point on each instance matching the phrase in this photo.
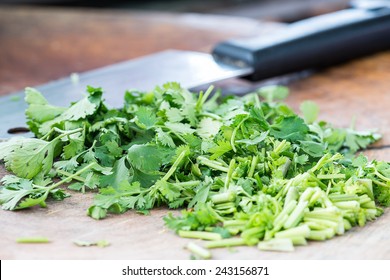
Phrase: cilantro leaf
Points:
(289, 128)
(26, 157)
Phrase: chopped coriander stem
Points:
(298, 240)
(316, 196)
(253, 166)
(63, 172)
(296, 215)
(348, 205)
(224, 205)
(377, 173)
(332, 214)
(174, 166)
(223, 197)
(213, 164)
(318, 181)
(232, 166)
(203, 97)
(347, 224)
(233, 137)
(32, 240)
(284, 168)
(343, 197)
(228, 242)
(306, 195)
(277, 244)
(280, 147)
(379, 183)
(283, 216)
(330, 176)
(188, 184)
(199, 235)
(302, 230)
(292, 195)
(321, 235)
(368, 205)
(59, 183)
(322, 222)
(198, 250)
(66, 133)
(211, 115)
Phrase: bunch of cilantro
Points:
(248, 170)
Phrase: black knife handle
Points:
(316, 42)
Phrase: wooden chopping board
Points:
(43, 44)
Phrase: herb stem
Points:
(199, 235)
(228, 242)
(59, 183)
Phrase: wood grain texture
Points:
(40, 45)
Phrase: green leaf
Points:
(149, 158)
(174, 115)
(180, 128)
(97, 212)
(164, 138)
(26, 157)
(39, 109)
(120, 173)
(220, 149)
(289, 128)
(146, 117)
(208, 128)
(312, 148)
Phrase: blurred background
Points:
(274, 10)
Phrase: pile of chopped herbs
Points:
(248, 170)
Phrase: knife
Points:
(316, 42)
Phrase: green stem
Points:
(331, 176)
(32, 240)
(253, 166)
(229, 174)
(203, 97)
(223, 197)
(199, 235)
(198, 250)
(228, 242)
(63, 172)
(232, 139)
(174, 166)
(213, 164)
(59, 183)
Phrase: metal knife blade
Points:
(189, 68)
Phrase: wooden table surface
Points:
(39, 45)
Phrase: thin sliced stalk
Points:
(296, 216)
(302, 230)
(198, 250)
(199, 235)
(228, 242)
(330, 176)
(174, 166)
(277, 244)
(32, 240)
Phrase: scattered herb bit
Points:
(198, 251)
(248, 170)
(99, 243)
(15, 98)
(33, 240)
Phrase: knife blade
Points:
(317, 42)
